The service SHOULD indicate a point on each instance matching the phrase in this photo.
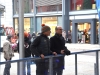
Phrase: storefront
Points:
(26, 24)
(51, 22)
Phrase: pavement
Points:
(85, 61)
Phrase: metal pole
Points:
(75, 64)
(50, 66)
(0, 39)
(34, 8)
(18, 69)
(21, 36)
(97, 62)
(99, 32)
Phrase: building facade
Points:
(72, 15)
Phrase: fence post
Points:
(75, 64)
(95, 69)
(51, 66)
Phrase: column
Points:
(65, 15)
(34, 8)
(31, 26)
(74, 33)
(93, 32)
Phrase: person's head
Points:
(58, 30)
(9, 38)
(69, 31)
(25, 34)
(46, 30)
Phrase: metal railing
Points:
(51, 61)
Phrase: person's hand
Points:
(62, 52)
(54, 53)
(42, 56)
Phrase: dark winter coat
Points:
(27, 51)
(41, 45)
(57, 43)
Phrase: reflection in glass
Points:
(82, 4)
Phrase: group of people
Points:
(41, 46)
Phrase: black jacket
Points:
(57, 43)
(41, 45)
(27, 51)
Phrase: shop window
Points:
(26, 24)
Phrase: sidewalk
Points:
(85, 62)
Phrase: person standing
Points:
(8, 54)
(69, 36)
(27, 52)
(79, 36)
(41, 48)
(57, 44)
(64, 35)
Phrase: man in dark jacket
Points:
(41, 48)
(27, 53)
(57, 44)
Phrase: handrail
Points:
(51, 60)
(36, 58)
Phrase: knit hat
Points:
(45, 29)
(43, 25)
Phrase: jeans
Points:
(7, 68)
(28, 68)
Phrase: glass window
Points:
(38, 22)
(59, 20)
(16, 25)
(26, 24)
(82, 4)
(50, 8)
(60, 7)
(31, 25)
(28, 6)
(39, 9)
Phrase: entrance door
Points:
(92, 31)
